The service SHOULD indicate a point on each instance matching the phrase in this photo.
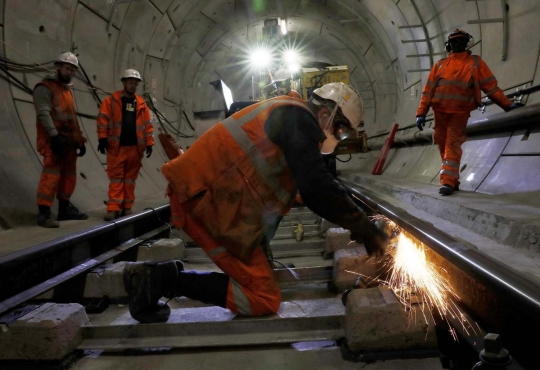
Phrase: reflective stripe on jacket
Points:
(109, 123)
(241, 178)
(63, 115)
(454, 85)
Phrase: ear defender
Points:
(459, 34)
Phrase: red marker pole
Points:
(381, 158)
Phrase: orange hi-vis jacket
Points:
(294, 94)
(109, 123)
(63, 115)
(455, 83)
(240, 176)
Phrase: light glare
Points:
(260, 58)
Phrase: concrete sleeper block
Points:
(361, 265)
(50, 332)
(106, 283)
(162, 250)
(338, 238)
(376, 321)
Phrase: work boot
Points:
(127, 212)
(45, 219)
(70, 212)
(207, 287)
(146, 283)
(446, 190)
(111, 215)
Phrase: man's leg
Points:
(245, 289)
(47, 188)
(252, 288)
(132, 168)
(68, 180)
(457, 123)
(116, 173)
(439, 131)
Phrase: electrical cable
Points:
(160, 116)
(90, 83)
(348, 160)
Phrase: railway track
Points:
(493, 296)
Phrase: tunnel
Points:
(187, 51)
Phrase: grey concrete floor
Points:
(17, 239)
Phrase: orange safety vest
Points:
(294, 94)
(63, 115)
(109, 123)
(240, 177)
(455, 83)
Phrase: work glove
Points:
(420, 121)
(58, 144)
(103, 145)
(148, 151)
(375, 240)
(82, 151)
(514, 106)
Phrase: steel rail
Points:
(504, 300)
(23, 297)
(25, 269)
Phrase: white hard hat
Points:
(281, 75)
(346, 98)
(67, 57)
(131, 73)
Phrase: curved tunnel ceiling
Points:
(179, 46)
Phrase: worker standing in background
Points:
(125, 132)
(453, 91)
(58, 139)
(282, 83)
(231, 188)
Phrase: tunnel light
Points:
(260, 58)
(291, 57)
(283, 26)
(294, 68)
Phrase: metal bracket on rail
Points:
(10, 317)
(427, 40)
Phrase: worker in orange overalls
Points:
(453, 91)
(125, 132)
(282, 83)
(58, 139)
(229, 190)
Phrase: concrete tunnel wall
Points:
(181, 45)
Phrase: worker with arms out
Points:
(59, 137)
(229, 191)
(282, 83)
(453, 91)
(125, 132)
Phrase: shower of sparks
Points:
(418, 283)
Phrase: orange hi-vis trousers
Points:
(58, 177)
(123, 170)
(449, 134)
(253, 289)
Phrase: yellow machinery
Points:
(313, 78)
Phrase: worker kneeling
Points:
(232, 187)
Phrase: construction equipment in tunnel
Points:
(313, 78)
(381, 158)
